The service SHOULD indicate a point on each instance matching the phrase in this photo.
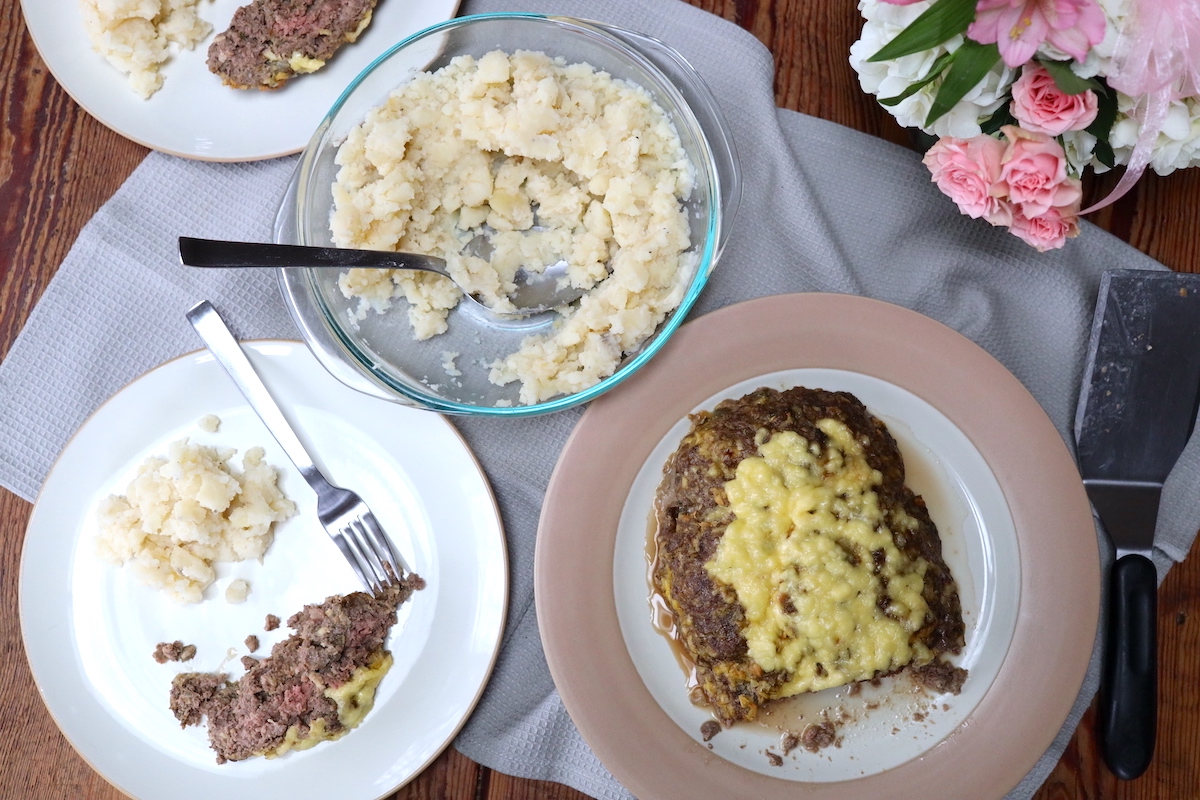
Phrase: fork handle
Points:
(229, 354)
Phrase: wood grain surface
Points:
(58, 166)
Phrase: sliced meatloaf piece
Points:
(269, 41)
(693, 512)
(315, 685)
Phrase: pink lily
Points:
(1018, 27)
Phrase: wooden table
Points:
(58, 166)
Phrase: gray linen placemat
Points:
(824, 209)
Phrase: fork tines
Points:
(371, 553)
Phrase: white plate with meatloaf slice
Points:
(194, 114)
(91, 629)
(1016, 530)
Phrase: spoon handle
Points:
(217, 253)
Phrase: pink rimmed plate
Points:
(1002, 487)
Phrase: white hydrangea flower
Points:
(1078, 146)
(1099, 58)
(884, 79)
(1178, 143)
(883, 22)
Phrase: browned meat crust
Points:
(251, 716)
(941, 677)
(256, 51)
(692, 512)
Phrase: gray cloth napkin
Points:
(824, 209)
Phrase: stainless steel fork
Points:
(343, 513)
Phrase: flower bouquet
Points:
(1024, 95)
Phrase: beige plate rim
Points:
(1017, 719)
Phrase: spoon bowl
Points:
(533, 292)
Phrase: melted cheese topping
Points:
(801, 554)
(354, 699)
(356, 696)
(302, 64)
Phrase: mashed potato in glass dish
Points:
(545, 161)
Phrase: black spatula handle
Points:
(1129, 682)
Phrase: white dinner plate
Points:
(194, 115)
(90, 628)
(979, 544)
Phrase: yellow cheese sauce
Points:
(356, 696)
(801, 552)
(354, 699)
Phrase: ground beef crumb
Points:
(190, 697)
(272, 623)
(775, 759)
(253, 715)
(941, 677)
(173, 651)
(818, 736)
(252, 643)
(710, 729)
(789, 741)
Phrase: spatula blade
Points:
(1136, 410)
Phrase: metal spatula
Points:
(1137, 407)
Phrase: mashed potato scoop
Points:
(534, 291)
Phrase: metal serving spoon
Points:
(535, 292)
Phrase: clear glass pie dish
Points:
(377, 353)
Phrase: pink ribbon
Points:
(1156, 61)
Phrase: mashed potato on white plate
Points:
(184, 513)
(135, 36)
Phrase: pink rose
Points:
(966, 170)
(1018, 27)
(1039, 105)
(1048, 231)
(1033, 173)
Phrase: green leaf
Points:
(1106, 114)
(971, 62)
(1101, 127)
(1001, 117)
(1067, 82)
(941, 22)
(942, 62)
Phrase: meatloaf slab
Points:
(693, 512)
(269, 41)
(290, 699)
